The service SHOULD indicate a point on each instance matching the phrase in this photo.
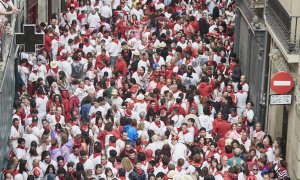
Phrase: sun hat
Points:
(54, 64)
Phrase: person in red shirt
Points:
(121, 65)
(48, 39)
(204, 88)
(102, 59)
(221, 126)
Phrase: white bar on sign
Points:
(282, 83)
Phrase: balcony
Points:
(283, 29)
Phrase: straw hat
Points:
(208, 136)
(140, 97)
(162, 44)
(54, 64)
(136, 52)
(114, 92)
(171, 174)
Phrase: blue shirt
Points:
(131, 133)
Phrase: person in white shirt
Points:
(177, 118)
(116, 99)
(205, 119)
(244, 84)
(179, 150)
(20, 151)
(256, 172)
(137, 11)
(156, 144)
(58, 117)
(46, 161)
(95, 108)
(42, 70)
(157, 126)
(64, 38)
(81, 91)
(244, 140)
(72, 14)
(241, 100)
(93, 19)
(87, 163)
(106, 12)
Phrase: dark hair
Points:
(50, 166)
(22, 166)
(61, 171)
(79, 167)
(206, 110)
(21, 140)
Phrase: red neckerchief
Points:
(34, 124)
(212, 168)
(53, 147)
(197, 164)
(157, 123)
(57, 119)
(96, 155)
(179, 168)
(55, 70)
(20, 147)
(112, 145)
(122, 178)
(41, 96)
(157, 165)
(74, 123)
(243, 141)
(239, 131)
(185, 132)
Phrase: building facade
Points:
(268, 41)
(282, 19)
(250, 48)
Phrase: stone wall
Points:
(275, 113)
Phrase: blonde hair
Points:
(126, 164)
(141, 126)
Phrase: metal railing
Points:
(7, 37)
(281, 23)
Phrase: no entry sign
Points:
(282, 83)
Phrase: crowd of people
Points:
(149, 89)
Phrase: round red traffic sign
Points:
(282, 83)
